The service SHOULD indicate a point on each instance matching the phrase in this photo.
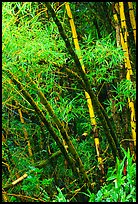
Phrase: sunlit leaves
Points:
(125, 89)
(103, 60)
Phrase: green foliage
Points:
(33, 47)
(125, 89)
(119, 187)
(86, 149)
(34, 185)
(103, 60)
(60, 197)
(24, 46)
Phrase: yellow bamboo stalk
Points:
(126, 57)
(89, 102)
(124, 43)
(132, 19)
(124, 40)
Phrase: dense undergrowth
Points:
(34, 50)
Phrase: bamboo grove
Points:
(47, 74)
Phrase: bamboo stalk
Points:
(63, 132)
(111, 136)
(89, 101)
(36, 165)
(75, 163)
(124, 43)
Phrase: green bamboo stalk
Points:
(111, 136)
(75, 163)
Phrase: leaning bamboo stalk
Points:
(89, 101)
(124, 42)
(77, 166)
(39, 112)
(110, 133)
(63, 132)
(36, 165)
